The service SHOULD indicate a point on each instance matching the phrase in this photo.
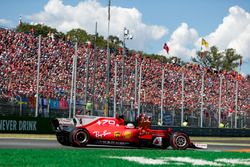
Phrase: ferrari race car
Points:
(83, 130)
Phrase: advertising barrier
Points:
(25, 125)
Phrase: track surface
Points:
(24, 143)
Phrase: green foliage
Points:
(230, 60)
(101, 42)
(37, 29)
(81, 36)
(115, 42)
(227, 60)
(77, 35)
(163, 59)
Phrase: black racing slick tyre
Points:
(80, 137)
(179, 141)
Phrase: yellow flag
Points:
(204, 43)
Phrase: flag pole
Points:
(162, 94)
(74, 88)
(220, 101)
(71, 90)
(136, 80)
(182, 98)
(236, 104)
(108, 63)
(88, 54)
(205, 43)
(202, 92)
(94, 76)
(38, 75)
(115, 86)
(139, 92)
(123, 69)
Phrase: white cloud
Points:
(233, 32)
(86, 13)
(181, 42)
(4, 21)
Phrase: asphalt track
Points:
(214, 144)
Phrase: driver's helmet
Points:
(130, 125)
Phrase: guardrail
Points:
(27, 125)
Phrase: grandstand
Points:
(18, 68)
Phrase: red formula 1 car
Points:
(84, 130)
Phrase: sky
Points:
(179, 23)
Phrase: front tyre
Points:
(80, 137)
(179, 141)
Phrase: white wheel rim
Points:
(181, 141)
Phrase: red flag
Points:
(165, 47)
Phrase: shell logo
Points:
(117, 134)
(127, 134)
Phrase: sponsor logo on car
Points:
(127, 134)
(117, 134)
(101, 134)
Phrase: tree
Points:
(230, 60)
(37, 29)
(213, 59)
(216, 58)
(115, 42)
(77, 35)
(202, 59)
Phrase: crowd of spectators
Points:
(18, 73)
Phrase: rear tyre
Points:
(80, 137)
(179, 141)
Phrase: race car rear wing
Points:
(63, 124)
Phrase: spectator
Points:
(89, 106)
(185, 123)
(18, 69)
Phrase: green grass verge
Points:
(108, 157)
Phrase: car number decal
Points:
(106, 122)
